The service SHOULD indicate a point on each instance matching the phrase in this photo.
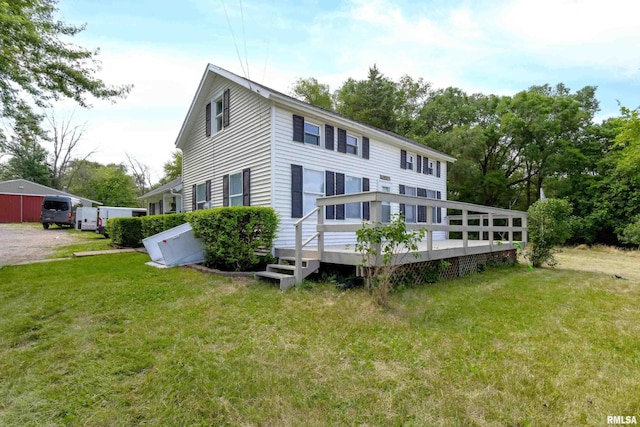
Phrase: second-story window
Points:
(352, 145)
(410, 161)
(311, 133)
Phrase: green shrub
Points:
(631, 234)
(155, 224)
(236, 238)
(125, 231)
(549, 225)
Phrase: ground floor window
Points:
(201, 196)
(312, 189)
(386, 206)
(353, 185)
(410, 210)
(235, 189)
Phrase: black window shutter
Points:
(246, 187)
(438, 169)
(226, 98)
(342, 140)
(403, 159)
(439, 212)
(425, 166)
(340, 190)
(207, 191)
(422, 210)
(296, 191)
(160, 210)
(366, 209)
(328, 137)
(330, 190)
(207, 115)
(365, 147)
(225, 190)
(419, 163)
(193, 197)
(152, 208)
(298, 129)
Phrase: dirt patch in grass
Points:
(30, 242)
(601, 259)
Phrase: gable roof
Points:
(166, 187)
(12, 186)
(292, 102)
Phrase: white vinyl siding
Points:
(245, 143)
(383, 160)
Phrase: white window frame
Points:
(305, 193)
(236, 199)
(200, 203)
(352, 205)
(430, 168)
(410, 161)
(354, 147)
(385, 205)
(412, 208)
(319, 135)
(217, 124)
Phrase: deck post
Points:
(321, 233)
(297, 273)
(510, 224)
(490, 225)
(430, 232)
(465, 230)
(375, 210)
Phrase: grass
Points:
(87, 241)
(109, 341)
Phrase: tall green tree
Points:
(109, 184)
(39, 64)
(172, 167)
(27, 159)
(373, 101)
(311, 91)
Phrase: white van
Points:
(86, 219)
(106, 212)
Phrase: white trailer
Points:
(107, 212)
(86, 219)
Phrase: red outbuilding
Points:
(21, 200)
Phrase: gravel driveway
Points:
(30, 242)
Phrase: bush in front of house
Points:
(155, 224)
(237, 238)
(125, 231)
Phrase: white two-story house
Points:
(246, 144)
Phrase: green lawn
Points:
(109, 341)
(87, 241)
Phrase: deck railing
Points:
(461, 220)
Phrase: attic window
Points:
(217, 114)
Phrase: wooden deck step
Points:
(288, 267)
(286, 280)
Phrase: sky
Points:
(495, 46)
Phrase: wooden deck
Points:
(441, 249)
(471, 230)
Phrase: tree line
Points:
(38, 66)
(510, 149)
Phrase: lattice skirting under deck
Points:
(432, 271)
